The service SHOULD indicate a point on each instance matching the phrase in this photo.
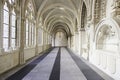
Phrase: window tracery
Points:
(9, 25)
(30, 26)
(107, 39)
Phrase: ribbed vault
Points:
(59, 14)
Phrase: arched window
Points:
(9, 26)
(13, 29)
(107, 39)
(27, 28)
(84, 16)
(30, 25)
(5, 27)
(11, 1)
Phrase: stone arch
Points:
(106, 57)
(83, 15)
(25, 5)
(112, 22)
(59, 38)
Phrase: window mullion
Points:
(10, 30)
(34, 38)
(28, 33)
(31, 33)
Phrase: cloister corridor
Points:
(59, 39)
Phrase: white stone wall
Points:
(105, 55)
(29, 53)
(8, 61)
(61, 39)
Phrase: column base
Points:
(1, 51)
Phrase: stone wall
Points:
(8, 61)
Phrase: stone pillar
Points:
(22, 35)
(44, 40)
(10, 30)
(1, 28)
(51, 40)
(36, 40)
(69, 42)
(22, 41)
(81, 41)
(73, 42)
(77, 42)
(92, 41)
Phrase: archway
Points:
(60, 39)
(107, 39)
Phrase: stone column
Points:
(45, 36)
(92, 41)
(22, 41)
(22, 35)
(36, 40)
(77, 42)
(81, 40)
(69, 42)
(72, 42)
(53, 40)
(10, 29)
(44, 40)
(1, 28)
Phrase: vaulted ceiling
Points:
(59, 12)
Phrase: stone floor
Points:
(58, 64)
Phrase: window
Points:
(27, 28)
(13, 30)
(5, 27)
(30, 28)
(9, 28)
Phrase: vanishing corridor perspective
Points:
(59, 39)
